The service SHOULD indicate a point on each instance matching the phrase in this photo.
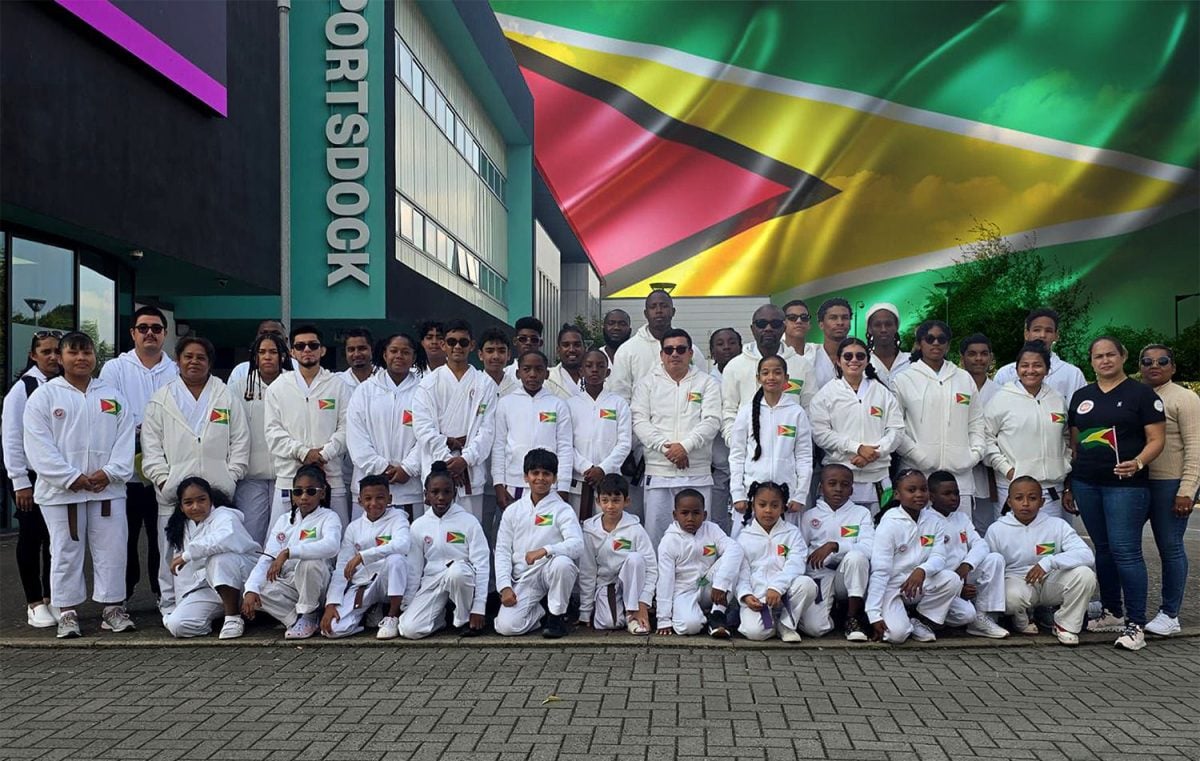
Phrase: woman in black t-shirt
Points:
(1117, 429)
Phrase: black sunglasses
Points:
(680, 350)
(310, 345)
(935, 338)
(1151, 361)
(764, 324)
(797, 317)
(307, 491)
(850, 356)
(144, 329)
(453, 342)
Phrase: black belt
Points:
(1054, 495)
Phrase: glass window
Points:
(405, 63)
(451, 124)
(431, 233)
(418, 82)
(97, 311)
(439, 110)
(430, 97)
(443, 248)
(405, 215)
(473, 158)
(418, 230)
(43, 293)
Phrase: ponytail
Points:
(755, 414)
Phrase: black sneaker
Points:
(555, 627)
(716, 625)
(854, 630)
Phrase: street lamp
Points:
(36, 305)
(668, 287)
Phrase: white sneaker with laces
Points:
(304, 627)
(233, 628)
(921, 632)
(1163, 625)
(984, 626)
(116, 619)
(1132, 638)
(40, 616)
(1067, 638)
(1107, 622)
(68, 626)
(789, 635)
(389, 628)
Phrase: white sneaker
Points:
(1163, 625)
(68, 626)
(789, 635)
(984, 626)
(233, 628)
(116, 619)
(389, 628)
(1070, 639)
(1107, 622)
(1132, 638)
(1022, 624)
(40, 616)
(921, 632)
(304, 627)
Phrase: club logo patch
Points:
(406, 418)
(546, 519)
(219, 415)
(928, 540)
(850, 531)
(962, 398)
(619, 545)
(327, 404)
(110, 406)
(547, 417)
(1085, 407)
(59, 412)
(815, 523)
(608, 414)
(695, 396)
(876, 411)
(1058, 417)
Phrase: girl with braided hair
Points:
(268, 359)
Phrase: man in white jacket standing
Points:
(676, 415)
(137, 374)
(306, 423)
(740, 376)
(640, 354)
(1065, 378)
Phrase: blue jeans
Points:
(1114, 517)
(1168, 535)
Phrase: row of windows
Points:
(419, 229)
(426, 92)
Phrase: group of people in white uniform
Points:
(785, 489)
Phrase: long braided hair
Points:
(254, 385)
(755, 413)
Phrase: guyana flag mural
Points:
(745, 148)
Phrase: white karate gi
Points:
(384, 546)
(312, 542)
(690, 566)
(448, 563)
(617, 570)
(847, 571)
(550, 524)
(773, 560)
(219, 553)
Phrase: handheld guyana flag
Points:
(876, 411)
(456, 537)
(327, 404)
(928, 540)
(308, 533)
(545, 519)
(709, 551)
(547, 417)
(1094, 438)
(782, 550)
(383, 539)
(962, 398)
(787, 431)
(622, 544)
(1058, 417)
(219, 415)
(608, 414)
(695, 396)
(794, 386)
(110, 406)
(850, 531)
(1046, 548)
(406, 418)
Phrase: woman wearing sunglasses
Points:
(858, 423)
(943, 417)
(1174, 477)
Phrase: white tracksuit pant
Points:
(986, 513)
(849, 579)
(689, 611)
(425, 613)
(195, 610)
(764, 624)
(253, 498)
(660, 505)
(625, 593)
(1070, 590)
(934, 603)
(553, 578)
(166, 581)
(339, 502)
(299, 590)
(352, 608)
(104, 536)
(988, 578)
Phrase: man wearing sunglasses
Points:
(305, 412)
(798, 321)
(137, 374)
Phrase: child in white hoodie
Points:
(770, 441)
(617, 568)
(372, 565)
(527, 419)
(212, 556)
(772, 586)
(698, 565)
(1046, 563)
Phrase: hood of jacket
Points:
(594, 526)
(165, 363)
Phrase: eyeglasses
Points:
(309, 345)
(797, 317)
(852, 356)
(453, 342)
(308, 491)
(764, 324)
(680, 350)
(145, 328)
(935, 338)
(1151, 361)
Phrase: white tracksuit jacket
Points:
(899, 365)
(604, 552)
(137, 383)
(12, 423)
(561, 384)
(300, 419)
(844, 419)
(1027, 435)
(222, 532)
(771, 561)
(551, 523)
(688, 412)
(317, 536)
(1064, 377)
(850, 526)
(525, 423)
(965, 545)
(900, 546)
(456, 537)
(69, 433)
(261, 466)
(445, 407)
(602, 429)
(943, 421)
(739, 381)
(376, 541)
(380, 424)
(171, 450)
(786, 438)
(1048, 541)
(637, 357)
(690, 562)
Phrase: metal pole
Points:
(285, 166)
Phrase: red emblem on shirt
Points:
(59, 412)
(815, 523)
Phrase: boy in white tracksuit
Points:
(698, 566)
(783, 443)
(1025, 436)
(371, 567)
(380, 437)
(601, 426)
(1046, 563)
(302, 417)
(529, 419)
(772, 586)
(448, 563)
(618, 570)
(537, 553)
(910, 538)
(839, 536)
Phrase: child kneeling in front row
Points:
(371, 566)
(449, 562)
(698, 566)
(617, 569)
(772, 587)
(537, 551)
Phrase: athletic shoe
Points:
(374, 616)
(854, 630)
(716, 625)
(304, 627)
(389, 628)
(1067, 638)
(555, 627)
(1163, 625)
(1022, 624)
(1107, 622)
(984, 626)
(787, 634)
(116, 619)
(233, 628)
(40, 617)
(68, 625)
(921, 632)
(1132, 637)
